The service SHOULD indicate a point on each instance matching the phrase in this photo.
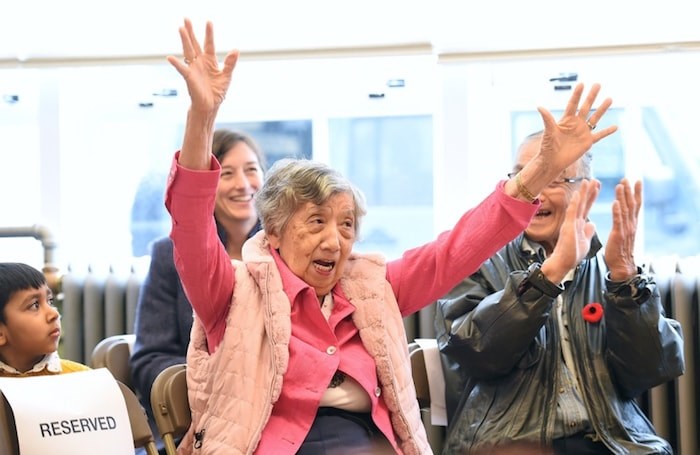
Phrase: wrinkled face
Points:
(32, 328)
(317, 240)
(241, 177)
(555, 198)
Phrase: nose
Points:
(52, 313)
(331, 240)
(240, 180)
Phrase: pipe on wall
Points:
(44, 235)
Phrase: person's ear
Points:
(3, 335)
(274, 240)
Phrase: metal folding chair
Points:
(170, 405)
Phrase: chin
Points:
(540, 237)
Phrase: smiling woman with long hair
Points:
(163, 313)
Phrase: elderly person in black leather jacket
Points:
(554, 337)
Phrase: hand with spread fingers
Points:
(207, 85)
(619, 250)
(206, 82)
(563, 142)
(575, 233)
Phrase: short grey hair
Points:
(291, 183)
(584, 163)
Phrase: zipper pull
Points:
(198, 438)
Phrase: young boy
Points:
(30, 325)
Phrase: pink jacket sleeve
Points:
(200, 258)
(424, 274)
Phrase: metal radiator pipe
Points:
(42, 234)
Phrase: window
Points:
(391, 160)
(655, 143)
(94, 145)
(277, 139)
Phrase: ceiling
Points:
(87, 29)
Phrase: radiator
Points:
(96, 304)
(674, 407)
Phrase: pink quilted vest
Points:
(232, 391)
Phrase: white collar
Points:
(50, 362)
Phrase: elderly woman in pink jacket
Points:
(300, 347)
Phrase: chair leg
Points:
(170, 447)
(151, 448)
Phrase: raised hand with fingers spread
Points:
(207, 85)
(619, 249)
(206, 82)
(575, 233)
(563, 142)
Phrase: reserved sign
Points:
(69, 414)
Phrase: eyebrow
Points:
(247, 163)
(38, 293)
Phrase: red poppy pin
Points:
(593, 312)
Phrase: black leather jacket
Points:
(501, 350)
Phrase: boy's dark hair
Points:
(15, 276)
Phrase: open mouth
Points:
(324, 266)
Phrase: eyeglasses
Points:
(557, 183)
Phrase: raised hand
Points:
(575, 233)
(565, 141)
(619, 249)
(206, 83)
